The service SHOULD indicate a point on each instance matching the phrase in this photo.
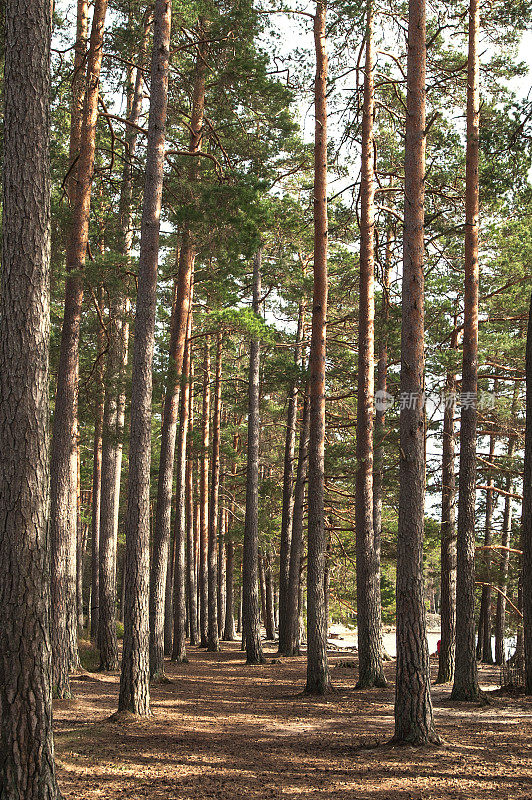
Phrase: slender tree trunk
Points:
(171, 403)
(270, 610)
(229, 627)
(370, 667)
(97, 481)
(212, 633)
(288, 498)
(465, 685)
(169, 600)
(500, 615)
(526, 524)
(134, 694)
(64, 440)
(484, 648)
(448, 532)
(221, 589)
(250, 558)
(204, 498)
(115, 395)
(192, 583)
(296, 546)
(26, 744)
(318, 679)
(179, 652)
(414, 722)
(262, 589)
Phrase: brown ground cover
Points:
(224, 730)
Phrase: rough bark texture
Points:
(179, 652)
(134, 680)
(296, 545)
(318, 679)
(27, 769)
(484, 648)
(221, 589)
(413, 705)
(370, 670)
(212, 628)
(269, 623)
(288, 497)
(63, 464)
(229, 634)
(465, 685)
(526, 526)
(448, 533)
(204, 499)
(250, 557)
(115, 396)
(192, 560)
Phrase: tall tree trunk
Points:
(262, 589)
(229, 627)
(370, 667)
(413, 705)
(448, 531)
(288, 497)
(484, 648)
(270, 610)
(204, 498)
(212, 632)
(500, 614)
(296, 545)
(179, 652)
(221, 588)
(318, 679)
(97, 480)
(526, 524)
(192, 561)
(169, 600)
(115, 395)
(134, 694)
(465, 685)
(161, 537)
(250, 557)
(26, 745)
(63, 460)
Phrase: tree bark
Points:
(204, 498)
(465, 685)
(448, 532)
(97, 480)
(115, 395)
(526, 523)
(179, 652)
(288, 497)
(296, 545)
(192, 560)
(26, 744)
(134, 694)
(250, 558)
(270, 610)
(222, 578)
(229, 627)
(213, 644)
(370, 669)
(318, 679)
(414, 722)
(500, 614)
(484, 648)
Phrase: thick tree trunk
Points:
(134, 694)
(500, 614)
(370, 669)
(26, 744)
(204, 499)
(288, 497)
(97, 481)
(115, 395)
(318, 679)
(526, 526)
(413, 705)
(448, 533)
(213, 644)
(179, 652)
(250, 558)
(465, 685)
(296, 545)
(63, 462)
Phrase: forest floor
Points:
(225, 730)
